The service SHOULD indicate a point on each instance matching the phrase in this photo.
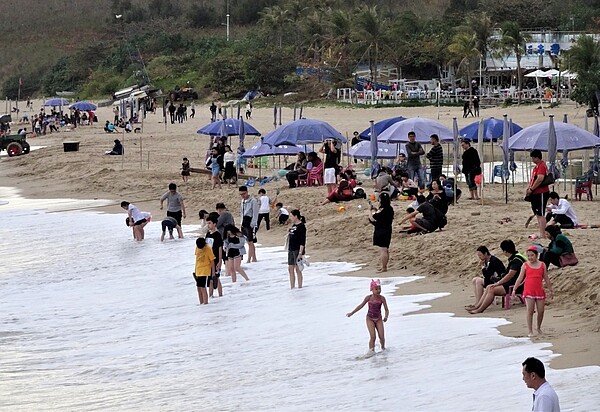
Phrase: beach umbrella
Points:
(303, 131)
(564, 162)
(455, 142)
(423, 128)
(596, 163)
(552, 148)
(505, 155)
(362, 150)
(493, 129)
(262, 149)
(84, 106)
(380, 127)
(569, 137)
(56, 101)
(231, 127)
(373, 143)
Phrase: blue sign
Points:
(540, 49)
(529, 49)
(555, 49)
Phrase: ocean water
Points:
(92, 320)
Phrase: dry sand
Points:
(447, 258)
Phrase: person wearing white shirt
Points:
(263, 209)
(560, 212)
(545, 398)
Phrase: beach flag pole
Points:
(274, 115)
(295, 106)
(301, 108)
(280, 105)
(141, 154)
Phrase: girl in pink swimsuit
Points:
(374, 320)
(534, 273)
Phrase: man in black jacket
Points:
(435, 157)
(471, 166)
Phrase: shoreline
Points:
(571, 350)
(446, 258)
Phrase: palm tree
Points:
(464, 51)
(275, 19)
(370, 31)
(512, 40)
(584, 58)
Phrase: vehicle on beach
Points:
(14, 144)
(183, 93)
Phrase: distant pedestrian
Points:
(185, 169)
(192, 109)
(476, 105)
(264, 209)
(545, 398)
(213, 112)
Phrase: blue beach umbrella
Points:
(569, 137)
(56, 101)
(84, 106)
(423, 128)
(493, 129)
(552, 148)
(262, 149)
(373, 143)
(302, 131)
(229, 126)
(380, 127)
(596, 163)
(362, 150)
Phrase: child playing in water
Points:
(534, 271)
(233, 245)
(374, 321)
(205, 268)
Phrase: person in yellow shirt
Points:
(205, 268)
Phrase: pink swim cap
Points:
(375, 283)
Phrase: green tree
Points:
(464, 52)
(275, 20)
(584, 57)
(512, 41)
(370, 32)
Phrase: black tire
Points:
(26, 147)
(14, 149)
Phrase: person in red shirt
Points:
(538, 195)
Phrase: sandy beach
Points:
(447, 259)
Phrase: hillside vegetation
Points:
(81, 46)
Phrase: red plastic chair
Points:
(583, 185)
(506, 300)
(314, 176)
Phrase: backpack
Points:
(359, 193)
(548, 179)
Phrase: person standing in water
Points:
(374, 319)
(136, 219)
(296, 247)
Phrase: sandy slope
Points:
(153, 159)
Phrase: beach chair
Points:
(583, 184)
(314, 176)
(506, 301)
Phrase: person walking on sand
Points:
(545, 398)
(175, 203)
(374, 320)
(471, 167)
(382, 219)
(185, 169)
(249, 215)
(296, 247)
(533, 272)
(205, 268)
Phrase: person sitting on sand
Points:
(492, 269)
(117, 149)
(385, 184)
(312, 160)
(560, 245)
(299, 166)
(400, 165)
(408, 185)
(501, 287)
(437, 197)
(137, 219)
(342, 193)
(170, 223)
(448, 184)
(429, 221)
(560, 212)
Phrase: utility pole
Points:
(227, 21)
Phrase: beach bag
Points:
(568, 259)
(359, 193)
(548, 180)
